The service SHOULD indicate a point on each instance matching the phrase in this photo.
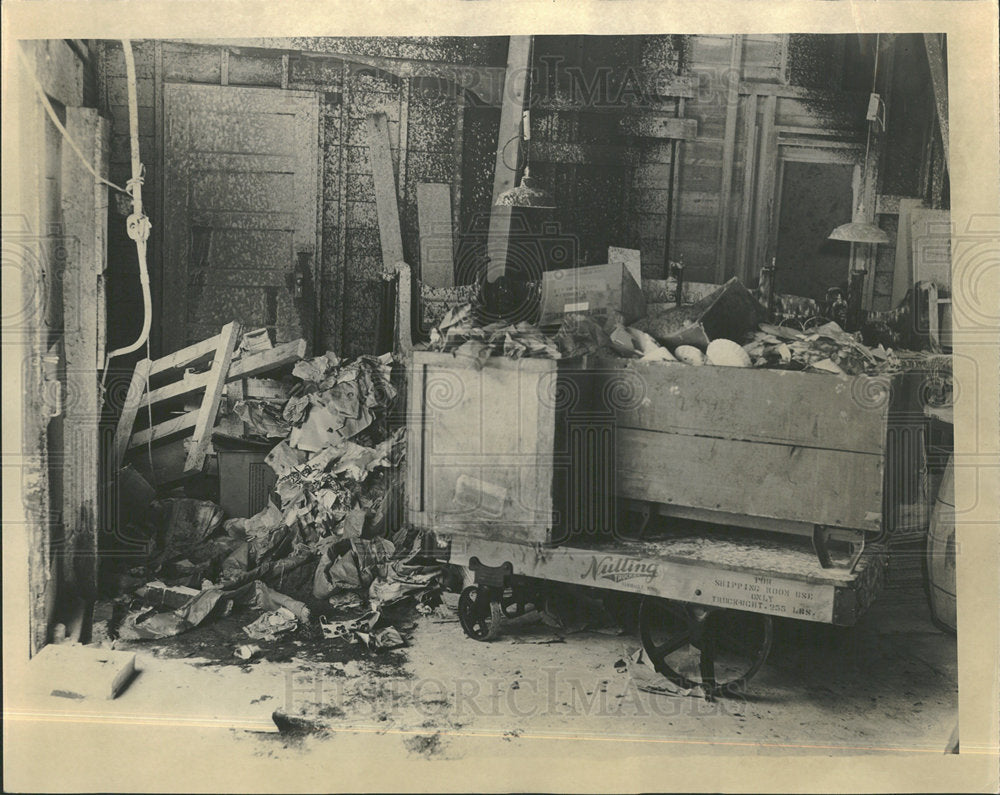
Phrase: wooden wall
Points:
(44, 190)
(425, 120)
(755, 100)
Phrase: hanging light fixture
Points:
(859, 230)
(527, 193)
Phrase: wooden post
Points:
(515, 87)
(939, 79)
(749, 176)
(766, 186)
(872, 180)
(85, 214)
(728, 152)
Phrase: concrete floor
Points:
(889, 684)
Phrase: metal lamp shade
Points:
(526, 194)
(859, 232)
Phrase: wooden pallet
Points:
(199, 422)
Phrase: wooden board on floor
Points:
(437, 263)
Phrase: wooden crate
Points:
(770, 449)
(520, 450)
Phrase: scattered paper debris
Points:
(271, 625)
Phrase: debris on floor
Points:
(647, 679)
(328, 540)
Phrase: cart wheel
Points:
(479, 613)
(719, 650)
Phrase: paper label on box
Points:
(581, 306)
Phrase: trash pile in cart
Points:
(329, 539)
(724, 328)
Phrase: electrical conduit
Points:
(138, 225)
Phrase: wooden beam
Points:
(85, 215)
(902, 269)
(437, 260)
(649, 125)
(184, 386)
(873, 180)
(746, 197)
(185, 356)
(164, 429)
(888, 204)
(728, 154)
(228, 339)
(508, 151)
(939, 80)
(133, 399)
(764, 209)
(385, 190)
(263, 361)
(797, 92)
(578, 154)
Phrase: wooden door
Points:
(814, 199)
(240, 230)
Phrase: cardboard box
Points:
(592, 290)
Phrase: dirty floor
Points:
(889, 684)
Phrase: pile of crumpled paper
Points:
(332, 525)
(826, 348)
(578, 335)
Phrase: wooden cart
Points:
(510, 462)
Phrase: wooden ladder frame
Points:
(221, 347)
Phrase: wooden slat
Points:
(182, 387)
(508, 150)
(816, 410)
(817, 95)
(185, 356)
(828, 487)
(132, 402)
(213, 394)
(263, 361)
(580, 154)
(648, 125)
(746, 198)
(728, 155)
(164, 429)
(437, 264)
(939, 80)
(385, 189)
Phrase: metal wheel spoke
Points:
(674, 643)
(707, 668)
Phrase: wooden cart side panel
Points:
(794, 408)
(481, 447)
(829, 487)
